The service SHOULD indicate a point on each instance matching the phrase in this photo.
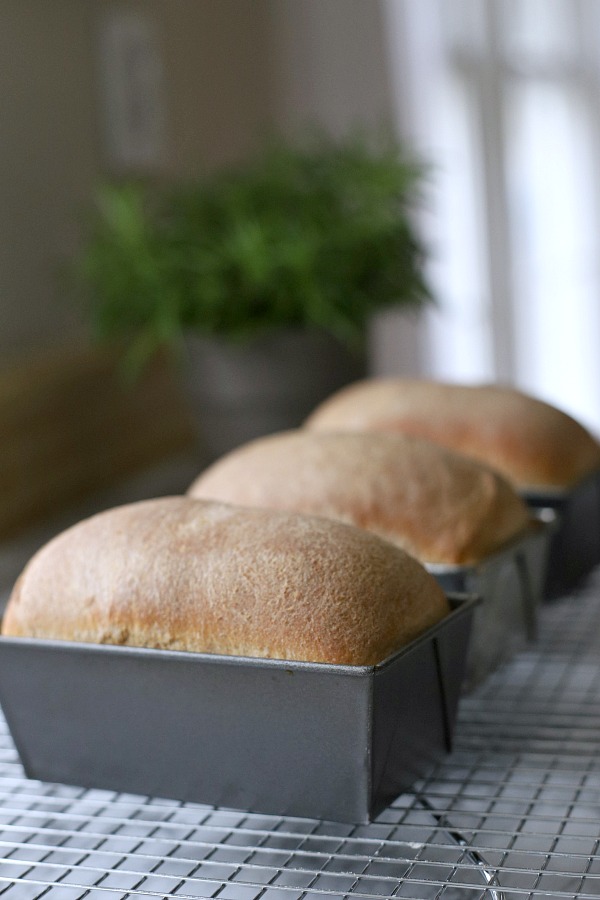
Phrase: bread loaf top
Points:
(533, 444)
(439, 506)
(186, 574)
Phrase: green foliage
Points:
(318, 235)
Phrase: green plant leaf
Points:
(315, 234)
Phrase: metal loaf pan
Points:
(575, 545)
(287, 738)
(510, 584)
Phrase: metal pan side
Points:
(510, 584)
(260, 735)
(575, 544)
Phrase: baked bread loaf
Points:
(439, 506)
(186, 574)
(530, 442)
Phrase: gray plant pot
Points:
(238, 391)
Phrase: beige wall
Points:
(329, 62)
(47, 160)
(232, 68)
(51, 149)
(216, 59)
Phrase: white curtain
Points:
(502, 97)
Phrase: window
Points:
(503, 99)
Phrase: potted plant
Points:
(265, 276)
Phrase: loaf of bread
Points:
(439, 506)
(530, 442)
(186, 574)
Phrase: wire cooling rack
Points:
(513, 812)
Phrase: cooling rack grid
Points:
(513, 812)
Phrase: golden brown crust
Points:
(437, 505)
(530, 442)
(185, 574)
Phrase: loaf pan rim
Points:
(461, 604)
(543, 519)
(554, 493)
